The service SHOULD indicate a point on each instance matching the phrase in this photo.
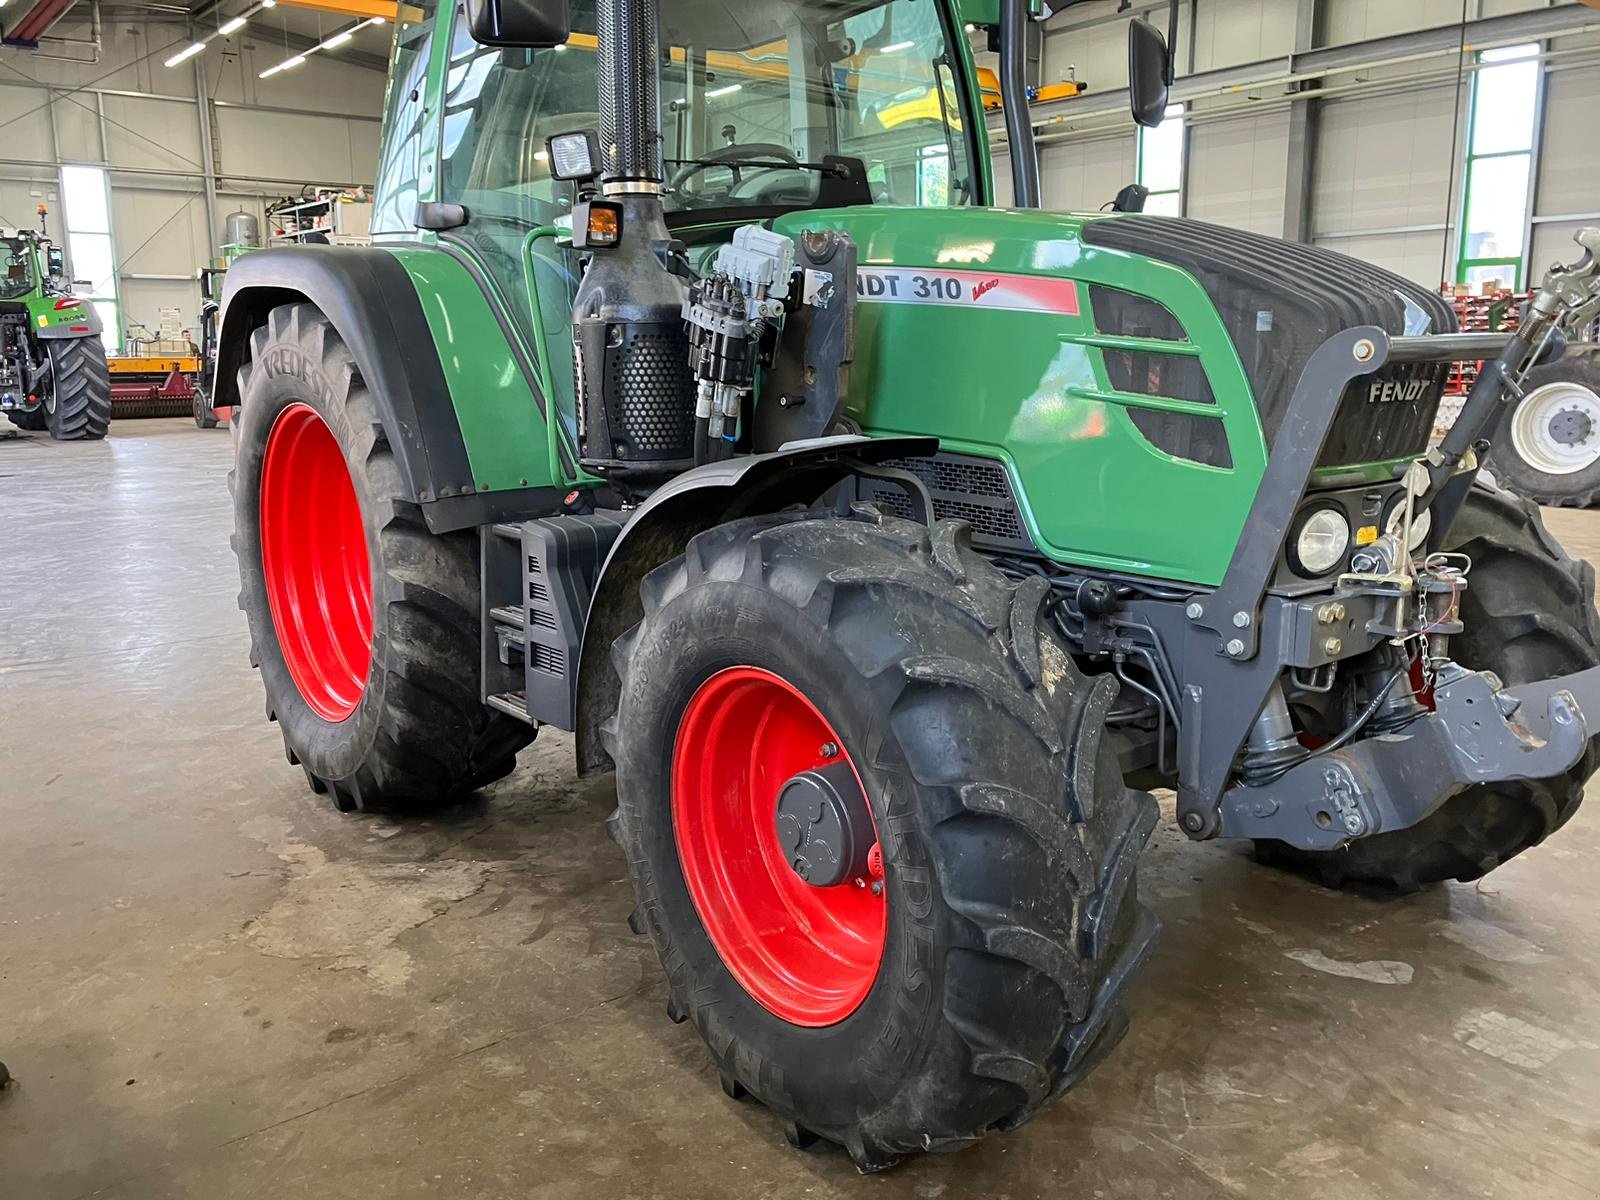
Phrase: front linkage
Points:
(1242, 769)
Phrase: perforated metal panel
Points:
(963, 488)
(653, 416)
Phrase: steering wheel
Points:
(731, 156)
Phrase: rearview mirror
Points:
(536, 24)
(1149, 71)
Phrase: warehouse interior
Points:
(224, 972)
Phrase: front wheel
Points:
(882, 852)
(76, 395)
(363, 623)
(1528, 611)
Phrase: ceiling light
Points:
(337, 39)
(283, 66)
(375, 21)
(186, 53)
(232, 26)
(897, 47)
(724, 91)
(269, 3)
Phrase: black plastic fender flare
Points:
(370, 299)
(795, 473)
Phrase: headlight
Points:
(1420, 524)
(1320, 542)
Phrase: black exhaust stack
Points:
(635, 394)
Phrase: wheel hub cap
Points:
(823, 825)
(778, 847)
(314, 559)
(1555, 428)
(1571, 427)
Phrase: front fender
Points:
(369, 297)
(796, 473)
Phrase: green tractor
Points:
(886, 544)
(53, 373)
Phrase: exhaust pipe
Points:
(631, 347)
(630, 96)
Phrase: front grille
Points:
(963, 488)
(1280, 301)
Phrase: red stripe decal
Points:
(967, 289)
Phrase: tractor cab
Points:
(18, 265)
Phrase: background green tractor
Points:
(884, 542)
(53, 371)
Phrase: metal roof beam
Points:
(1533, 25)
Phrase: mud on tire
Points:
(419, 733)
(1009, 841)
(1529, 615)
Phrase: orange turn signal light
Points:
(596, 224)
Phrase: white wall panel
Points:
(278, 145)
(1082, 176)
(1569, 166)
(1237, 171)
(26, 123)
(1242, 31)
(22, 190)
(1552, 243)
(1417, 256)
(152, 134)
(1384, 162)
(1358, 20)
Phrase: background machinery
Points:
(52, 362)
(885, 544)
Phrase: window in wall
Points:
(1160, 165)
(91, 252)
(1499, 158)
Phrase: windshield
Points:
(754, 96)
(16, 268)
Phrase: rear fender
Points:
(371, 301)
(697, 500)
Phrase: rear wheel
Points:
(77, 398)
(1549, 449)
(885, 859)
(364, 624)
(1529, 615)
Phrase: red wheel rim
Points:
(314, 558)
(807, 954)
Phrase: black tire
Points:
(32, 419)
(204, 418)
(419, 733)
(77, 402)
(1529, 615)
(1580, 365)
(1013, 922)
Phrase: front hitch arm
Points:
(1478, 733)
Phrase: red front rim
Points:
(807, 954)
(314, 558)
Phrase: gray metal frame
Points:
(1235, 642)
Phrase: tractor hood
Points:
(1092, 366)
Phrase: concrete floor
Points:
(213, 985)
